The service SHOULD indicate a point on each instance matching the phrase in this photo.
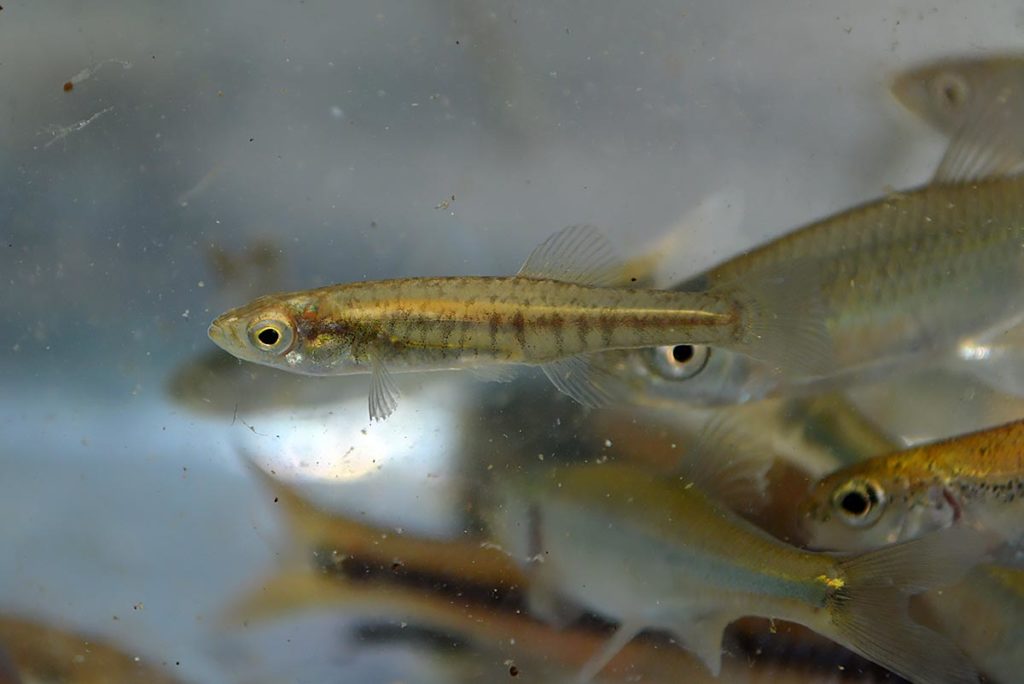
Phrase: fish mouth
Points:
(220, 333)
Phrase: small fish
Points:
(903, 280)
(650, 552)
(950, 92)
(561, 307)
(974, 480)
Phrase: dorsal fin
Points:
(577, 254)
(989, 144)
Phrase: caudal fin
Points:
(869, 610)
(787, 318)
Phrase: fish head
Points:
(700, 374)
(287, 332)
(947, 92)
(861, 509)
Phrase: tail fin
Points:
(786, 316)
(870, 613)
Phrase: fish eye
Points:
(271, 335)
(951, 90)
(681, 361)
(859, 502)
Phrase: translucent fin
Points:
(586, 383)
(677, 250)
(702, 636)
(383, 393)
(624, 633)
(729, 464)
(787, 318)
(990, 143)
(869, 611)
(577, 254)
(498, 372)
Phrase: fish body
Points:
(900, 283)
(652, 552)
(973, 480)
(566, 303)
(455, 322)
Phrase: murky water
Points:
(161, 162)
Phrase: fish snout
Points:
(223, 333)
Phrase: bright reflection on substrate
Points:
(399, 471)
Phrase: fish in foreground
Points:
(651, 552)
(974, 480)
(570, 299)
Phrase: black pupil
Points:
(855, 503)
(268, 336)
(681, 353)
(952, 96)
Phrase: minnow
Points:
(902, 280)
(949, 92)
(974, 480)
(651, 552)
(566, 302)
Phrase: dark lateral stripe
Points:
(519, 327)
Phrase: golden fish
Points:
(972, 480)
(557, 310)
(652, 552)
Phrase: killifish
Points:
(566, 302)
(974, 480)
(658, 553)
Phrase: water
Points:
(359, 140)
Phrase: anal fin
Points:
(702, 636)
